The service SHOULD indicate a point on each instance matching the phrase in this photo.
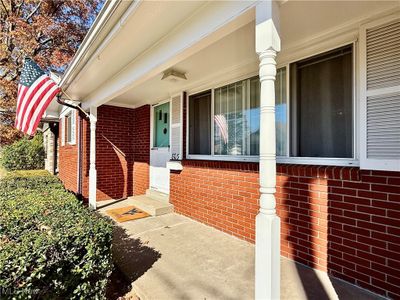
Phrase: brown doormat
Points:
(126, 213)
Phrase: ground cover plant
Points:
(24, 154)
(51, 246)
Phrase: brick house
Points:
(275, 122)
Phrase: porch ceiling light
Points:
(173, 76)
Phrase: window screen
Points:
(237, 118)
(69, 131)
(200, 124)
(322, 106)
(281, 115)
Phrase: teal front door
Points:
(161, 125)
(160, 151)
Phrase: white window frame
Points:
(72, 116)
(212, 156)
(62, 130)
(328, 161)
(322, 47)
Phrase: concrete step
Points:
(152, 206)
(157, 195)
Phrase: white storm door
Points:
(160, 150)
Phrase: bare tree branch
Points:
(46, 41)
(33, 12)
(5, 9)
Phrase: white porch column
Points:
(92, 169)
(267, 256)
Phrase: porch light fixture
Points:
(173, 76)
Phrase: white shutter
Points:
(73, 127)
(380, 95)
(62, 131)
(177, 126)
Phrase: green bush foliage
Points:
(51, 246)
(24, 154)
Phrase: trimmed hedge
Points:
(24, 154)
(51, 246)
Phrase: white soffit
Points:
(226, 59)
(148, 24)
(302, 20)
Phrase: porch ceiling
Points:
(214, 63)
(234, 55)
(150, 21)
(123, 61)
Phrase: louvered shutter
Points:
(380, 96)
(63, 131)
(177, 126)
(73, 127)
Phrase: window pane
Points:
(323, 109)
(236, 118)
(200, 124)
(254, 110)
(281, 112)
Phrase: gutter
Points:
(103, 17)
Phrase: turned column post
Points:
(92, 168)
(267, 250)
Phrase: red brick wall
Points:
(122, 154)
(141, 149)
(344, 221)
(85, 157)
(114, 152)
(68, 162)
(221, 194)
(336, 219)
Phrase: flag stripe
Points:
(35, 92)
(35, 102)
(42, 107)
(28, 96)
(21, 94)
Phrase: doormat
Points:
(126, 213)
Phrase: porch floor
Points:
(174, 257)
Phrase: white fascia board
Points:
(210, 23)
(86, 45)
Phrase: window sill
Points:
(283, 160)
(323, 161)
(224, 158)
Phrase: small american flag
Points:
(220, 121)
(35, 92)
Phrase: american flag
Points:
(222, 125)
(35, 92)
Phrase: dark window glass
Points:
(200, 123)
(322, 106)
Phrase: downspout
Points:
(79, 192)
(55, 152)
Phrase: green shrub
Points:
(24, 154)
(51, 246)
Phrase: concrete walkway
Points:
(174, 257)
